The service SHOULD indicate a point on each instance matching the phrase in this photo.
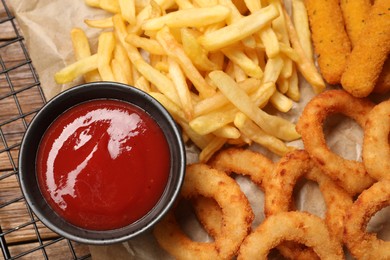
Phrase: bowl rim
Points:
(89, 88)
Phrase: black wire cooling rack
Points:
(22, 235)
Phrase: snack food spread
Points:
(103, 164)
(227, 71)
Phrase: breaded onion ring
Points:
(295, 226)
(237, 216)
(292, 167)
(349, 174)
(361, 244)
(233, 160)
(244, 162)
(376, 149)
(209, 214)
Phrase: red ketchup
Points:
(103, 164)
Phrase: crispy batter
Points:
(288, 171)
(349, 174)
(295, 226)
(355, 16)
(383, 83)
(361, 244)
(295, 165)
(233, 160)
(331, 42)
(366, 60)
(237, 216)
(355, 13)
(376, 149)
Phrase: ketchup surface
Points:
(103, 164)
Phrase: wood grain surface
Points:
(20, 98)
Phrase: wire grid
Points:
(22, 235)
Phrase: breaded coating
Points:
(331, 42)
(355, 13)
(383, 83)
(367, 58)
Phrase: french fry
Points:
(111, 6)
(253, 5)
(93, 3)
(101, 23)
(121, 56)
(262, 95)
(301, 23)
(293, 90)
(211, 122)
(219, 100)
(198, 17)
(239, 30)
(281, 102)
(184, 4)
(128, 10)
(200, 141)
(162, 82)
(306, 67)
(142, 84)
(76, 69)
(149, 45)
(183, 92)
(195, 52)
(273, 69)
(174, 50)
(239, 57)
(118, 72)
(211, 148)
(106, 47)
(256, 134)
(205, 3)
(82, 50)
(277, 126)
(228, 132)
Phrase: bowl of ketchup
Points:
(101, 163)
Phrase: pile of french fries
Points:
(213, 64)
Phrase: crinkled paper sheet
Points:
(46, 26)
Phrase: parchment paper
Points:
(46, 26)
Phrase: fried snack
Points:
(331, 42)
(355, 14)
(209, 214)
(376, 149)
(245, 162)
(299, 227)
(349, 174)
(366, 60)
(361, 244)
(233, 160)
(82, 50)
(237, 216)
(277, 126)
(383, 83)
(290, 168)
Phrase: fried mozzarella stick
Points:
(331, 42)
(355, 14)
(367, 58)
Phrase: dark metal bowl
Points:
(68, 99)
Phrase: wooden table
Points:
(22, 235)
